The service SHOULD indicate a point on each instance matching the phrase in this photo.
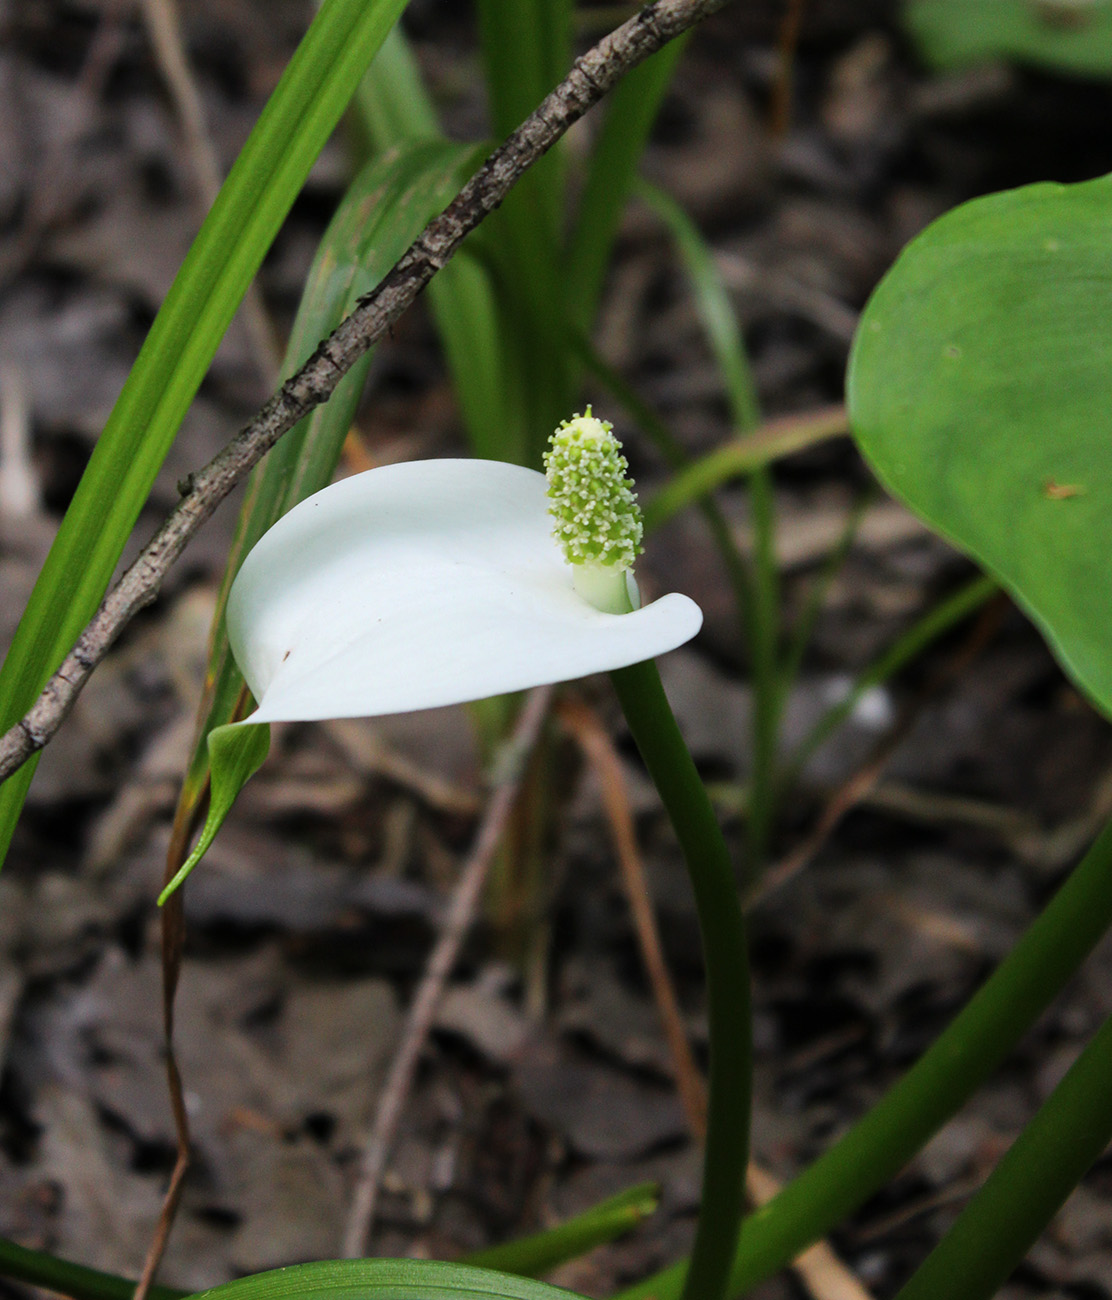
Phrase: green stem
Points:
(727, 964)
(1027, 1188)
(764, 651)
(43, 1270)
(931, 1093)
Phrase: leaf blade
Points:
(979, 388)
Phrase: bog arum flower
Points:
(422, 584)
(436, 582)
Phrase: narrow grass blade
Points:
(743, 455)
(227, 252)
(609, 177)
(832, 565)
(937, 621)
(713, 302)
(40, 1269)
(383, 1279)
(763, 630)
(532, 1256)
(528, 1257)
(393, 107)
(526, 48)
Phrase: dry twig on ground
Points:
(465, 901)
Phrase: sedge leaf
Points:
(384, 1279)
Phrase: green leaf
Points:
(251, 206)
(1071, 35)
(41, 1269)
(384, 1279)
(542, 1251)
(609, 174)
(980, 389)
(392, 106)
(528, 1256)
(236, 752)
(714, 305)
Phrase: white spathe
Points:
(423, 584)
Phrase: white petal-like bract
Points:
(422, 584)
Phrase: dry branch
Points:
(590, 78)
(465, 901)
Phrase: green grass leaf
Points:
(383, 1279)
(980, 389)
(526, 1257)
(293, 127)
(536, 1254)
(609, 174)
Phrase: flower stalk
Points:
(726, 956)
(598, 526)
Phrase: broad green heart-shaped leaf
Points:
(384, 1279)
(1071, 35)
(980, 389)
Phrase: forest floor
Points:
(546, 1082)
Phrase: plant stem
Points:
(963, 1057)
(764, 642)
(1027, 1188)
(722, 925)
(43, 1270)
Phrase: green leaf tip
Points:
(236, 752)
(598, 520)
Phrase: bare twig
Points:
(510, 769)
(591, 736)
(590, 78)
(172, 919)
(787, 47)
